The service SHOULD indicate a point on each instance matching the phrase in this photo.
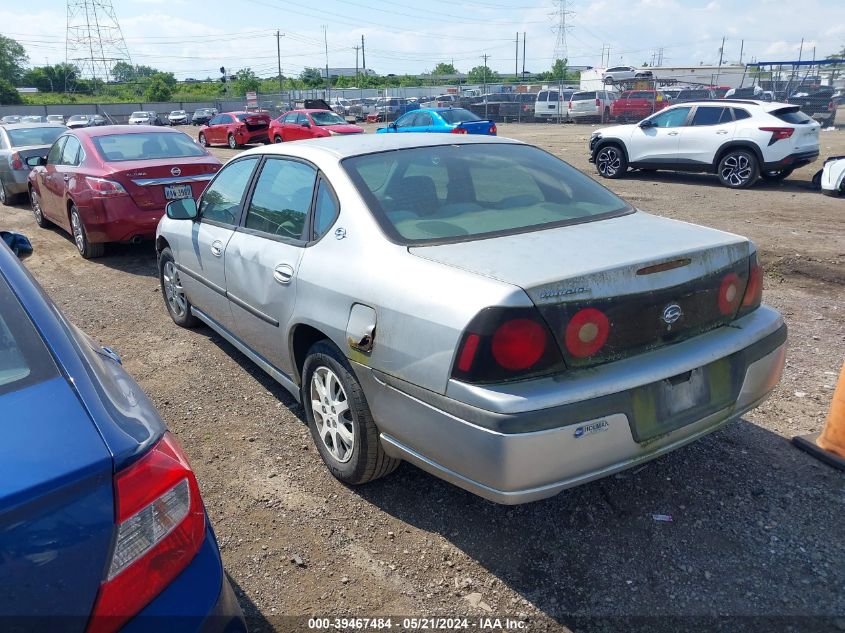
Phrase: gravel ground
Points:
(755, 523)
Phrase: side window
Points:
(227, 118)
(726, 117)
(221, 202)
(542, 95)
(554, 95)
(301, 119)
(423, 119)
(214, 121)
(406, 120)
(70, 153)
(671, 118)
(325, 211)
(282, 198)
(55, 154)
(740, 114)
(290, 118)
(707, 115)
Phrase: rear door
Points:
(201, 244)
(710, 128)
(263, 257)
(659, 144)
(56, 495)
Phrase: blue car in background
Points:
(102, 526)
(443, 120)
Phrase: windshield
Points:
(22, 137)
(452, 193)
(177, 113)
(458, 115)
(78, 117)
(146, 146)
(324, 117)
(139, 115)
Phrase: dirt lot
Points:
(757, 525)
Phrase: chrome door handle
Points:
(721, 131)
(672, 134)
(283, 273)
(217, 248)
(65, 177)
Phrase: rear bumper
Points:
(793, 161)
(119, 220)
(582, 426)
(585, 114)
(200, 600)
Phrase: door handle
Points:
(721, 131)
(673, 134)
(217, 248)
(65, 177)
(283, 273)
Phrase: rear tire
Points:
(233, 143)
(80, 237)
(175, 300)
(202, 140)
(738, 169)
(342, 426)
(611, 161)
(278, 139)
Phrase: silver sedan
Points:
(472, 305)
(19, 142)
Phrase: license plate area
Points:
(177, 192)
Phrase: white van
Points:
(552, 103)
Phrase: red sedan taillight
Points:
(160, 528)
(458, 130)
(494, 130)
(778, 133)
(104, 188)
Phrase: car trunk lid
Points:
(255, 121)
(476, 127)
(152, 184)
(633, 269)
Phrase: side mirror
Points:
(36, 161)
(183, 209)
(306, 124)
(647, 123)
(19, 244)
(392, 125)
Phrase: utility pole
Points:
(326, 42)
(279, 37)
(523, 56)
(357, 79)
(516, 60)
(721, 55)
(363, 56)
(485, 56)
(741, 51)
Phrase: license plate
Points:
(177, 192)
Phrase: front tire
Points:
(35, 205)
(339, 418)
(277, 139)
(172, 291)
(611, 161)
(738, 169)
(202, 140)
(80, 237)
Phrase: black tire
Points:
(35, 205)
(233, 143)
(5, 198)
(738, 169)
(611, 161)
(278, 139)
(776, 176)
(182, 317)
(87, 249)
(202, 140)
(366, 459)
(816, 182)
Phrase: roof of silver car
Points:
(357, 144)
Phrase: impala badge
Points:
(671, 313)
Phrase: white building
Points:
(730, 76)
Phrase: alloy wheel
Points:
(737, 170)
(331, 414)
(3, 197)
(608, 161)
(202, 140)
(36, 207)
(173, 290)
(78, 234)
(233, 144)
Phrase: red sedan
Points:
(111, 183)
(235, 129)
(299, 124)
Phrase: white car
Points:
(623, 73)
(741, 141)
(833, 176)
(143, 118)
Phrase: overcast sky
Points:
(194, 38)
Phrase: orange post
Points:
(829, 445)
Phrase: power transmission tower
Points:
(561, 13)
(94, 42)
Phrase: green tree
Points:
(444, 69)
(311, 77)
(559, 69)
(12, 60)
(245, 81)
(482, 74)
(8, 94)
(158, 90)
(55, 78)
(122, 72)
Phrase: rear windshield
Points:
(24, 359)
(146, 146)
(583, 96)
(78, 117)
(694, 94)
(22, 137)
(459, 192)
(792, 115)
(459, 115)
(327, 118)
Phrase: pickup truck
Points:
(505, 106)
(819, 104)
(635, 105)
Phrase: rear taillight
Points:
(587, 332)
(730, 293)
(569, 106)
(15, 161)
(160, 528)
(598, 103)
(104, 188)
(831, 106)
(506, 344)
(778, 133)
(754, 289)
(494, 130)
(458, 130)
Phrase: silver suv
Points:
(591, 104)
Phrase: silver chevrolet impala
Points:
(472, 305)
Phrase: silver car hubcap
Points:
(232, 142)
(173, 290)
(608, 161)
(331, 414)
(36, 208)
(736, 169)
(78, 236)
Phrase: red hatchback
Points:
(235, 129)
(299, 124)
(111, 183)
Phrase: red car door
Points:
(288, 127)
(306, 126)
(66, 178)
(48, 186)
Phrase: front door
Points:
(200, 250)
(262, 260)
(49, 187)
(658, 143)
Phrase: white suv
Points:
(738, 140)
(623, 73)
